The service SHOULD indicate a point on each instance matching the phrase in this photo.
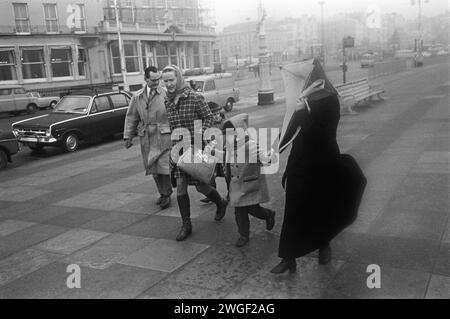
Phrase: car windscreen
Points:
(73, 104)
(198, 86)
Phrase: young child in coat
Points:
(248, 187)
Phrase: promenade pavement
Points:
(95, 208)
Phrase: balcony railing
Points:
(108, 27)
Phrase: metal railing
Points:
(387, 68)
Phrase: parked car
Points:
(75, 118)
(218, 88)
(44, 102)
(8, 147)
(368, 60)
(14, 99)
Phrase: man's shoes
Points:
(221, 210)
(285, 265)
(206, 200)
(242, 241)
(325, 255)
(158, 202)
(270, 220)
(165, 202)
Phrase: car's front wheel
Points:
(71, 142)
(229, 106)
(31, 108)
(52, 105)
(3, 159)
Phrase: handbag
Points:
(198, 164)
(351, 184)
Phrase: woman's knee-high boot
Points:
(185, 211)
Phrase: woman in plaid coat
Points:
(184, 106)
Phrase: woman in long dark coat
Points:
(310, 215)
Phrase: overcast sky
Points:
(235, 11)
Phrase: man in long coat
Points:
(147, 118)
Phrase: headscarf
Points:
(181, 84)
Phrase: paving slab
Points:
(224, 268)
(309, 281)
(116, 282)
(44, 213)
(415, 224)
(108, 251)
(442, 266)
(16, 210)
(351, 283)
(105, 202)
(28, 237)
(439, 287)
(71, 241)
(415, 198)
(75, 217)
(11, 226)
(113, 222)
(396, 252)
(164, 255)
(21, 193)
(167, 289)
(24, 263)
(154, 227)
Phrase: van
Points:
(368, 60)
(218, 89)
(15, 99)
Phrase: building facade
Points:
(286, 39)
(47, 45)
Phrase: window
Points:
(5, 91)
(147, 55)
(80, 18)
(21, 17)
(131, 56)
(206, 54)
(196, 55)
(7, 65)
(119, 100)
(82, 62)
(20, 91)
(210, 86)
(173, 54)
(33, 65)
(101, 104)
(61, 61)
(162, 56)
(51, 17)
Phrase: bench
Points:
(352, 93)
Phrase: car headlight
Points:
(16, 132)
(48, 133)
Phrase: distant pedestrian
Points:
(184, 106)
(147, 118)
(248, 187)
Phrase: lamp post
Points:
(419, 56)
(249, 37)
(322, 3)
(121, 53)
(265, 90)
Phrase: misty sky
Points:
(235, 11)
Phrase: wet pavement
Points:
(96, 209)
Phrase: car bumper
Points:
(37, 140)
